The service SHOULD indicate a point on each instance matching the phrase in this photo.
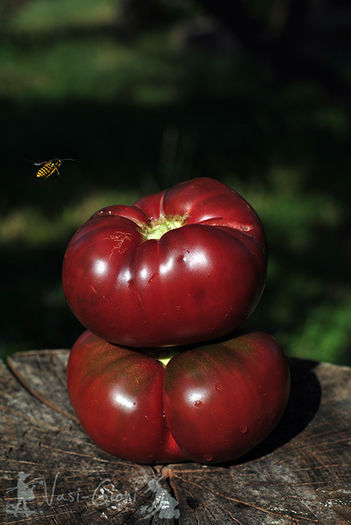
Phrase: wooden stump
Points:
(53, 474)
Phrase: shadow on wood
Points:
(305, 398)
(299, 474)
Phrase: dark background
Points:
(146, 94)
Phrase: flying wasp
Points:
(49, 167)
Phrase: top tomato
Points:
(182, 266)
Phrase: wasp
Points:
(49, 167)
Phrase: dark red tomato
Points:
(181, 266)
(210, 404)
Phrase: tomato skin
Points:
(210, 404)
(117, 396)
(229, 395)
(196, 283)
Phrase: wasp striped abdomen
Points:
(48, 167)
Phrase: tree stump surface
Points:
(53, 474)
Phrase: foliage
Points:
(141, 106)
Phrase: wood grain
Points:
(301, 474)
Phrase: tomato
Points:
(212, 403)
(185, 265)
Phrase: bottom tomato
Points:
(210, 404)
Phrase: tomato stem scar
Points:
(155, 229)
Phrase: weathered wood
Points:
(301, 474)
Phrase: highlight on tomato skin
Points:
(117, 396)
(210, 404)
(185, 265)
(232, 394)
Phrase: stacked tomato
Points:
(159, 286)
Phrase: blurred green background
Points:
(146, 94)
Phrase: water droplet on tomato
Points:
(146, 418)
(151, 278)
(219, 388)
(198, 403)
(243, 429)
